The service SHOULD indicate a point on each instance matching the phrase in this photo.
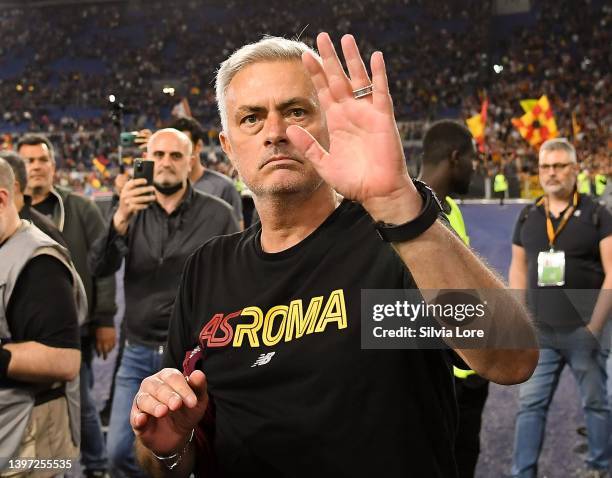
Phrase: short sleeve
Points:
(516, 235)
(42, 306)
(605, 223)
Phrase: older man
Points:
(272, 315)
(564, 241)
(155, 228)
(39, 343)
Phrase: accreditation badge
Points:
(551, 268)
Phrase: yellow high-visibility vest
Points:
(458, 224)
(500, 184)
(456, 220)
(584, 183)
(600, 184)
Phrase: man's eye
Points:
(297, 113)
(250, 119)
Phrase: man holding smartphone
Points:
(155, 227)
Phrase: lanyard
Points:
(550, 230)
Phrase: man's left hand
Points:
(105, 340)
(366, 160)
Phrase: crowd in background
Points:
(440, 60)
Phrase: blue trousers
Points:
(137, 363)
(588, 368)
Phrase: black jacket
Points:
(155, 248)
(80, 222)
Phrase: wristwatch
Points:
(412, 229)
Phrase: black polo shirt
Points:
(579, 240)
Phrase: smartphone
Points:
(128, 139)
(143, 168)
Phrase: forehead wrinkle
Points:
(254, 83)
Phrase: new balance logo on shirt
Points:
(263, 359)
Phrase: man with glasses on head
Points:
(562, 242)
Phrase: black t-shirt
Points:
(311, 402)
(41, 307)
(579, 240)
(47, 206)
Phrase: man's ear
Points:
(226, 146)
(197, 148)
(454, 159)
(4, 199)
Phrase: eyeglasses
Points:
(555, 166)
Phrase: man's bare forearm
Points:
(157, 469)
(439, 260)
(35, 362)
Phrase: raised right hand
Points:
(135, 196)
(167, 408)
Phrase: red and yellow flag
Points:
(576, 129)
(100, 166)
(538, 123)
(476, 124)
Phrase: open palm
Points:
(365, 159)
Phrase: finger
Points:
(339, 85)
(380, 97)
(166, 395)
(141, 188)
(357, 71)
(318, 78)
(141, 199)
(177, 381)
(138, 420)
(307, 145)
(133, 183)
(134, 208)
(147, 403)
(197, 382)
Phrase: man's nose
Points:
(276, 129)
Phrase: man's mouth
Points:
(279, 158)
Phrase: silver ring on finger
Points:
(136, 400)
(363, 92)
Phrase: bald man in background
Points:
(155, 228)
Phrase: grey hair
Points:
(559, 144)
(269, 48)
(7, 178)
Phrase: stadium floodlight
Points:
(168, 90)
(498, 68)
(111, 98)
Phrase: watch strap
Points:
(414, 228)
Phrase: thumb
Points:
(197, 382)
(307, 145)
